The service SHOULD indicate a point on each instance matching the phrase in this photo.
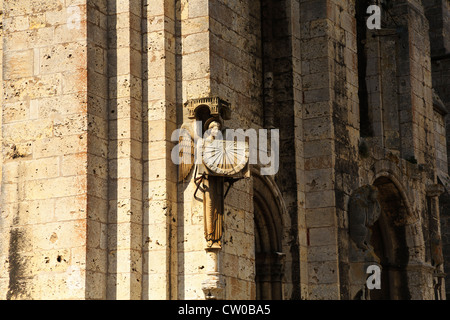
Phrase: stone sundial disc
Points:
(224, 157)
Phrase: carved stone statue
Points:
(213, 199)
(221, 160)
(364, 211)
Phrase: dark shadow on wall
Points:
(278, 97)
(145, 162)
(444, 209)
(390, 243)
(17, 281)
(112, 155)
(181, 281)
(97, 151)
(361, 29)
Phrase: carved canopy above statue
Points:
(218, 108)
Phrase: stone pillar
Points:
(97, 148)
(433, 193)
(213, 38)
(213, 286)
(330, 139)
(193, 81)
(414, 80)
(125, 150)
(160, 173)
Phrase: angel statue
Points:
(221, 159)
(213, 201)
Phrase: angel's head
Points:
(214, 126)
(213, 130)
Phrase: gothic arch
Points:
(391, 174)
(270, 226)
(409, 218)
(389, 239)
(397, 236)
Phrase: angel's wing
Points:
(186, 153)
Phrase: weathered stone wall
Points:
(330, 136)
(441, 79)
(91, 206)
(416, 123)
(329, 34)
(402, 147)
(438, 14)
(45, 136)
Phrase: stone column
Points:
(330, 140)
(433, 193)
(160, 173)
(213, 286)
(193, 81)
(125, 150)
(414, 80)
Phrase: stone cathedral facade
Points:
(93, 205)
